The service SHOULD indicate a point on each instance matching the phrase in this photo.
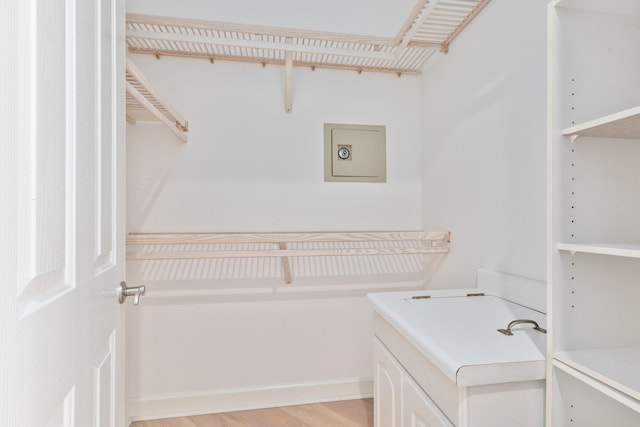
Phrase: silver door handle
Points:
(135, 292)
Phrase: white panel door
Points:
(62, 213)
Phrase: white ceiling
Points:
(367, 17)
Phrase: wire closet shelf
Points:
(198, 246)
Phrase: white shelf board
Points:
(618, 368)
(623, 124)
(620, 7)
(629, 250)
(591, 382)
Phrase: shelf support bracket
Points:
(289, 78)
(286, 268)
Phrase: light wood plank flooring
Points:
(343, 413)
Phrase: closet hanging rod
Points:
(165, 255)
(288, 237)
(164, 244)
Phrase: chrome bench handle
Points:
(518, 322)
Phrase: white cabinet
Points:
(594, 211)
(399, 401)
(439, 361)
(388, 387)
(417, 409)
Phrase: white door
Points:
(63, 216)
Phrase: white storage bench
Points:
(439, 360)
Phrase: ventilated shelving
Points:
(144, 103)
(594, 231)
(153, 247)
(430, 28)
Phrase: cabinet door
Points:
(387, 379)
(418, 410)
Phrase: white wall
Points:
(222, 356)
(465, 152)
(249, 166)
(483, 133)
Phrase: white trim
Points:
(237, 399)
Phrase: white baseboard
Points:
(237, 399)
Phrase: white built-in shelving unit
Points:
(594, 213)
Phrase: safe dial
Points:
(344, 153)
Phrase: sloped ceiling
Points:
(366, 17)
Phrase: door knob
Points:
(135, 292)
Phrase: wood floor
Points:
(343, 413)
